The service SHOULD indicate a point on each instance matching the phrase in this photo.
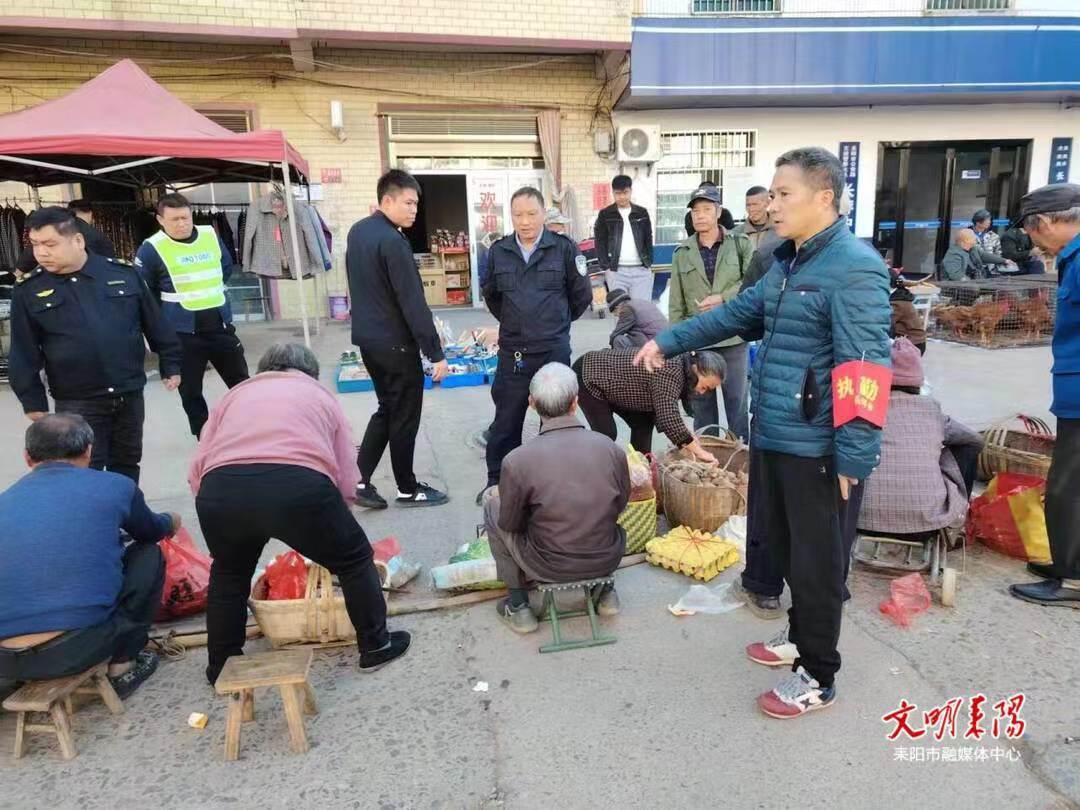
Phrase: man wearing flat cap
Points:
(1051, 217)
(707, 269)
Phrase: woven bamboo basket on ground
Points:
(1020, 444)
(319, 618)
(704, 508)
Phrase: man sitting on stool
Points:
(71, 596)
(553, 516)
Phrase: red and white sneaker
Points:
(796, 695)
(776, 652)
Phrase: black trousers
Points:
(224, 351)
(763, 574)
(800, 511)
(510, 392)
(116, 640)
(1063, 500)
(118, 430)
(601, 417)
(241, 507)
(398, 377)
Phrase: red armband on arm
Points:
(860, 391)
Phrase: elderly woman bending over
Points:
(276, 459)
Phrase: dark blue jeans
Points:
(118, 430)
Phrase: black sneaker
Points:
(368, 497)
(423, 496)
(398, 646)
(143, 667)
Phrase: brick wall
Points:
(299, 104)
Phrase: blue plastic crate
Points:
(353, 386)
(464, 380)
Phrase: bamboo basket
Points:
(1023, 448)
(724, 448)
(704, 508)
(319, 618)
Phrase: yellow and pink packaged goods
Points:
(688, 551)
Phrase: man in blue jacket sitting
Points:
(71, 596)
(824, 302)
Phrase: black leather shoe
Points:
(1044, 570)
(1049, 592)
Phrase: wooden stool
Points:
(55, 697)
(285, 669)
(554, 615)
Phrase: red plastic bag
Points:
(386, 549)
(286, 576)
(908, 597)
(1009, 517)
(187, 577)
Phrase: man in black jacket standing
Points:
(536, 285)
(392, 326)
(623, 234)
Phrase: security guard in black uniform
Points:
(83, 319)
(536, 285)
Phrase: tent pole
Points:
(35, 195)
(320, 294)
(297, 266)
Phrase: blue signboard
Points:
(849, 159)
(1060, 159)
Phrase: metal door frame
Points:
(950, 148)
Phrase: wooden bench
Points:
(57, 698)
(553, 614)
(285, 669)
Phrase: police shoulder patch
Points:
(119, 264)
(582, 264)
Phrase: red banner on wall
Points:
(601, 196)
(860, 391)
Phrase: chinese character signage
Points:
(601, 196)
(860, 391)
(849, 159)
(329, 176)
(1060, 159)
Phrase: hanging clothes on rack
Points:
(217, 217)
(12, 222)
(268, 249)
(320, 237)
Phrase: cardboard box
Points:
(457, 280)
(434, 289)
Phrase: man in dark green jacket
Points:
(707, 269)
(824, 302)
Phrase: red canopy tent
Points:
(122, 127)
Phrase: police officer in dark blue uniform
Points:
(536, 285)
(82, 318)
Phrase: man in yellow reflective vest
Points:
(186, 268)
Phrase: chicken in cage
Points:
(996, 312)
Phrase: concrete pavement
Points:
(664, 718)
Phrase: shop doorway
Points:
(926, 191)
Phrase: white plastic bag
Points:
(734, 532)
(703, 599)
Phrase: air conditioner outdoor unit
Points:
(639, 144)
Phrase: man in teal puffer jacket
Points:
(824, 301)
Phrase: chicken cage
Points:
(996, 313)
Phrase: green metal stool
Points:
(552, 614)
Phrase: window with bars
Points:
(968, 5)
(691, 158)
(738, 6)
